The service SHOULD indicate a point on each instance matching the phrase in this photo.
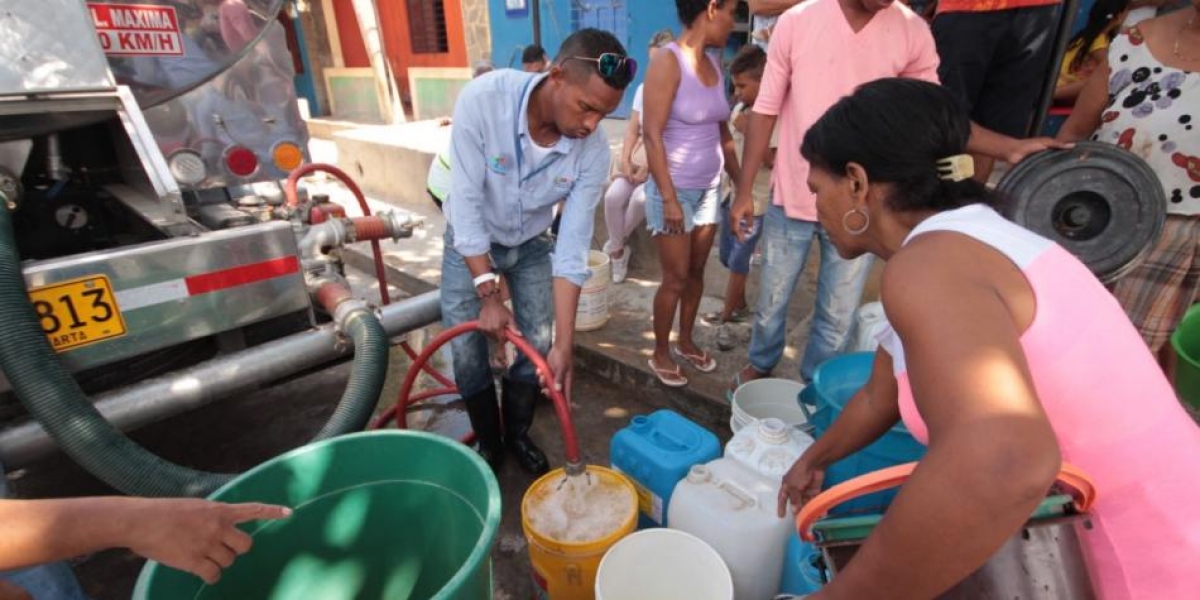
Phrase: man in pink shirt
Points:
(821, 50)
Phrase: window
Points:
(427, 26)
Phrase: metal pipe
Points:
(56, 169)
(159, 398)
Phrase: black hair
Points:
(898, 129)
(689, 10)
(1102, 14)
(589, 43)
(532, 54)
(750, 60)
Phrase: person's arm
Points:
(633, 132)
(1068, 93)
(770, 8)
(464, 212)
(1089, 107)
(776, 82)
(662, 82)
(869, 414)
(1008, 149)
(570, 254)
(992, 454)
(729, 149)
(196, 536)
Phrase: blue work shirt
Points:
(497, 195)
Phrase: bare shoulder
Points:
(937, 267)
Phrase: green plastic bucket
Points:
(1186, 341)
(385, 514)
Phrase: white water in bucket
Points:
(592, 312)
(663, 564)
(767, 398)
(580, 509)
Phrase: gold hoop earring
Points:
(860, 230)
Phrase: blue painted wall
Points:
(510, 34)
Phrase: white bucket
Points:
(592, 313)
(663, 564)
(764, 399)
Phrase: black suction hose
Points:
(53, 397)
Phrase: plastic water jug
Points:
(655, 452)
(768, 447)
(733, 510)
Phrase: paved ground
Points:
(239, 433)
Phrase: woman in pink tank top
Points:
(687, 146)
(1007, 357)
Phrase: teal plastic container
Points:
(655, 452)
(387, 514)
(803, 568)
(834, 382)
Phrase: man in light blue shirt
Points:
(522, 143)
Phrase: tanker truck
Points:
(151, 258)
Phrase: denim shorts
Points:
(700, 207)
(735, 254)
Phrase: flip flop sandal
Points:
(702, 362)
(669, 377)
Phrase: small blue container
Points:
(802, 568)
(655, 452)
(834, 383)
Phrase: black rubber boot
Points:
(485, 421)
(518, 402)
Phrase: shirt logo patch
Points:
(563, 182)
(499, 164)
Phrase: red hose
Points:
(561, 407)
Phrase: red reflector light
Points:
(241, 161)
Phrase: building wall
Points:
(354, 51)
(317, 49)
(510, 34)
(477, 33)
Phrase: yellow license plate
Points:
(77, 313)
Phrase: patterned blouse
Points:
(1151, 111)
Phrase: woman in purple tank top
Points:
(687, 145)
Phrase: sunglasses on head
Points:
(615, 69)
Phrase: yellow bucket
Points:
(566, 570)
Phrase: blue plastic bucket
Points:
(834, 383)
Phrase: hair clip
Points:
(959, 167)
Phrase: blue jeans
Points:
(735, 254)
(785, 245)
(527, 270)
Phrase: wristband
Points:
(486, 277)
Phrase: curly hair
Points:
(750, 60)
